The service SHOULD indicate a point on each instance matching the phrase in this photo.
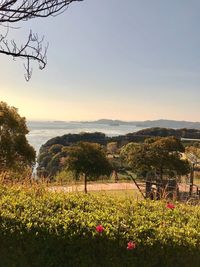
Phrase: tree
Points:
(89, 160)
(193, 153)
(13, 11)
(15, 151)
(161, 155)
(112, 148)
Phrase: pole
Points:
(85, 183)
(191, 180)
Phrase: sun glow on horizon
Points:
(40, 110)
(130, 66)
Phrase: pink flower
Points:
(131, 245)
(170, 206)
(99, 228)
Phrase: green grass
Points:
(134, 193)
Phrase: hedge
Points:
(39, 228)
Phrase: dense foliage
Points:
(164, 132)
(87, 159)
(69, 139)
(160, 155)
(53, 229)
(101, 138)
(15, 151)
(82, 158)
(52, 152)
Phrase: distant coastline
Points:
(150, 123)
(164, 123)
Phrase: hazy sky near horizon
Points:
(129, 60)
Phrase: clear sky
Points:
(129, 60)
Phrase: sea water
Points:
(42, 131)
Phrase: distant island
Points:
(149, 123)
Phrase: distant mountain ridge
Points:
(150, 123)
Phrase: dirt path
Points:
(94, 187)
(106, 187)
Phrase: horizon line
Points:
(102, 119)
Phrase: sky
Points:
(128, 60)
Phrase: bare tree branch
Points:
(12, 11)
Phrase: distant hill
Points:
(164, 132)
(148, 123)
(109, 122)
(170, 124)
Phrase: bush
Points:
(39, 228)
(65, 176)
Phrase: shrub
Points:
(40, 228)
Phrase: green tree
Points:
(112, 147)
(15, 152)
(161, 155)
(89, 160)
(193, 153)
